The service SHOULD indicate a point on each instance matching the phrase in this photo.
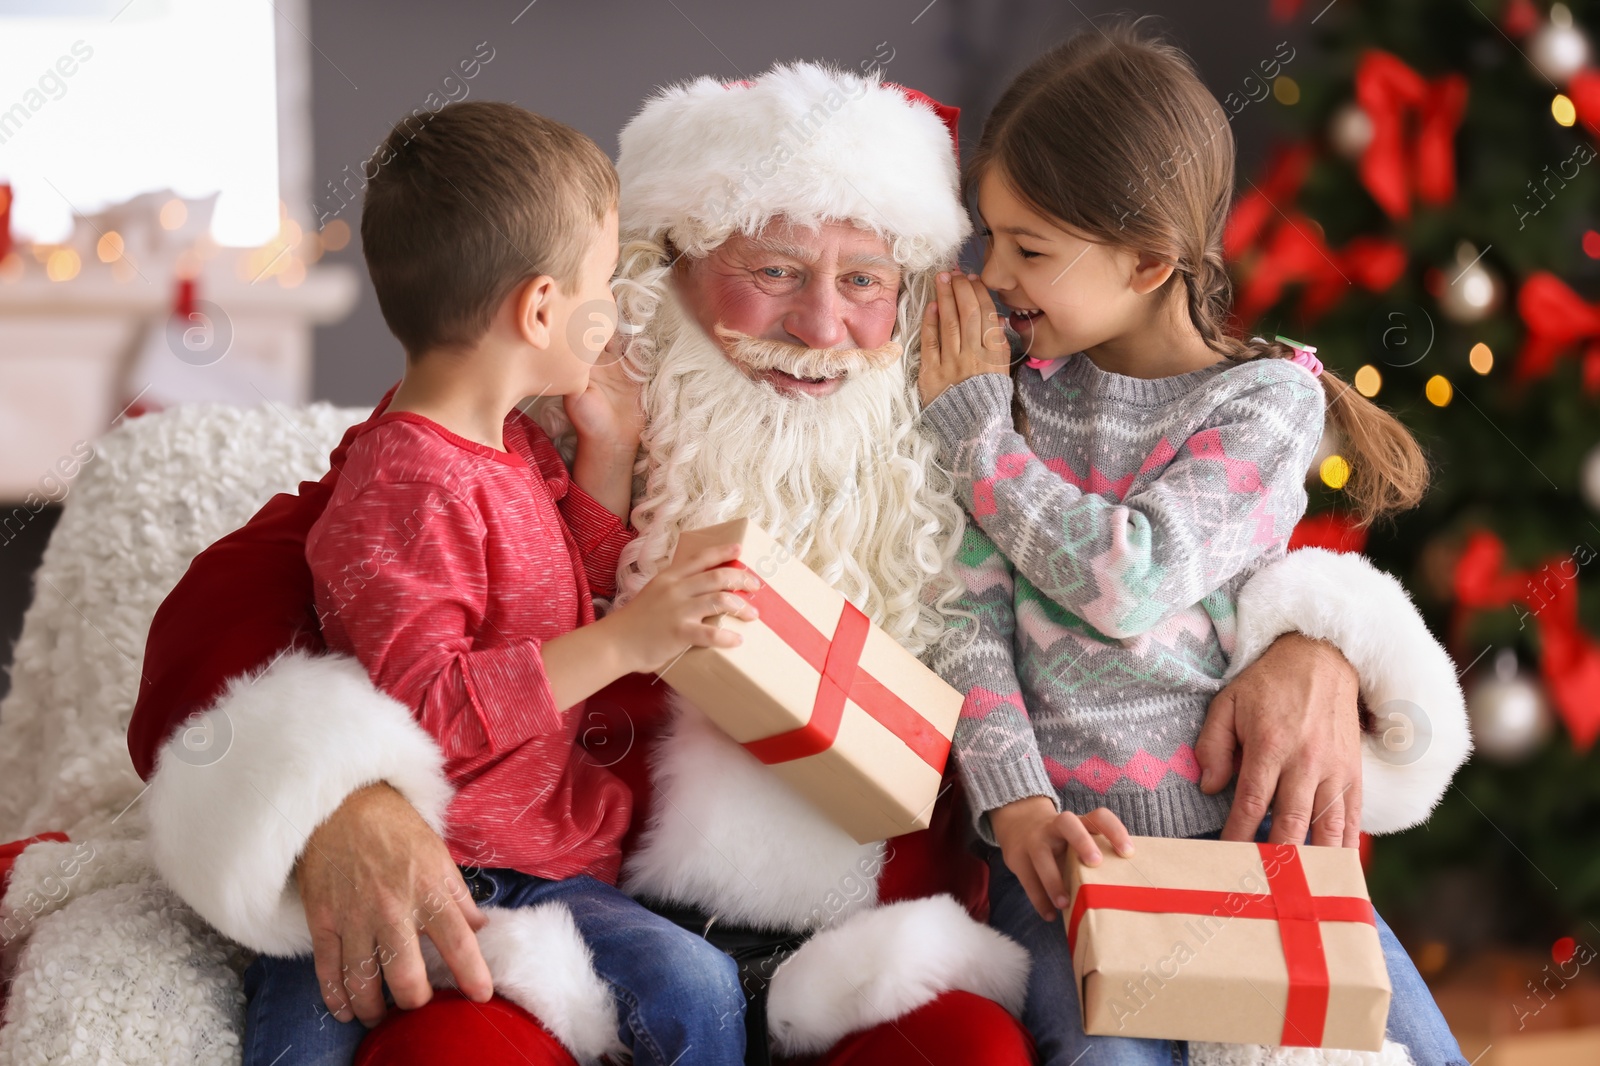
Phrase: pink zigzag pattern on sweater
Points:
(1009, 466)
(980, 701)
(1143, 769)
(1243, 477)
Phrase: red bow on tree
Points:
(1395, 97)
(1296, 252)
(1569, 658)
(1286, 172)
(1557, 318)
(1584, 92)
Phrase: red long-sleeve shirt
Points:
(443, 564)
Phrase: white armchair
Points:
(105, 964)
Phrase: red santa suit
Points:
(242, 619)
(236, 644)
(890, 960)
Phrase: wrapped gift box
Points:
(830, 702)
(1235, 943)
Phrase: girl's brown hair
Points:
(1113, 134)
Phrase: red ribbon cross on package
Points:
(838, 661)
(1288, 902)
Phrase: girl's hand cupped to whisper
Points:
(962, 336)
(1034, 838)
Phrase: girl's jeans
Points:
(1052, 1015)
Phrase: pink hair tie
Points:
(1304, 355)
(1046, 367)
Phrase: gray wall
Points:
(591, 64)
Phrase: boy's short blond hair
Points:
(465, 206)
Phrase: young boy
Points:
(450, 562)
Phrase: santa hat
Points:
(811, 143)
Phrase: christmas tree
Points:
(1430, 225)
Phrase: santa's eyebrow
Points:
(801, 254)
(867, 259)
(798, 252)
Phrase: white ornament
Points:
(1558, 49)
(1350, 131)
(1589, 480)
(1508, 712)
(1471, 292)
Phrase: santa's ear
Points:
(533, 311)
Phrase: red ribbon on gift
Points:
(1557, 319)
(1289, 902)
(1296, 252)
(838, 662)
(1395, 97)
(1569, 658)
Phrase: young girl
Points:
(1125, 483)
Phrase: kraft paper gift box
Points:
(1228, 942)
(831, 703)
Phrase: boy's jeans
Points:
(678, 998)
(1052, 1015)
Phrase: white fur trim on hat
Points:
(1407, 680)
(882, 964)
(238, 790)
(807, 142)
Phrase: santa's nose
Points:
(817, 319)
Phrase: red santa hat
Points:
(804, 141)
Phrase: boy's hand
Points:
(609, 420)
(669, 614)
(607, 413)
(1034, 838)
(961, 336)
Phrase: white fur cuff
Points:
(1407, 679)
(540, 962)
(882, 964)
(238, 790)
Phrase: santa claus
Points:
(780, 237)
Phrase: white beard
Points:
(843, 480)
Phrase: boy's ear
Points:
(532, 312)
(1148, 274)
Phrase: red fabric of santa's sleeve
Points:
(242, 602)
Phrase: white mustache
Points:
(755, 353)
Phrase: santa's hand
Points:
(1294, 714)
(962, 336)
(373, 878)
(1034, 838)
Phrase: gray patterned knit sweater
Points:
(1103, 571)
